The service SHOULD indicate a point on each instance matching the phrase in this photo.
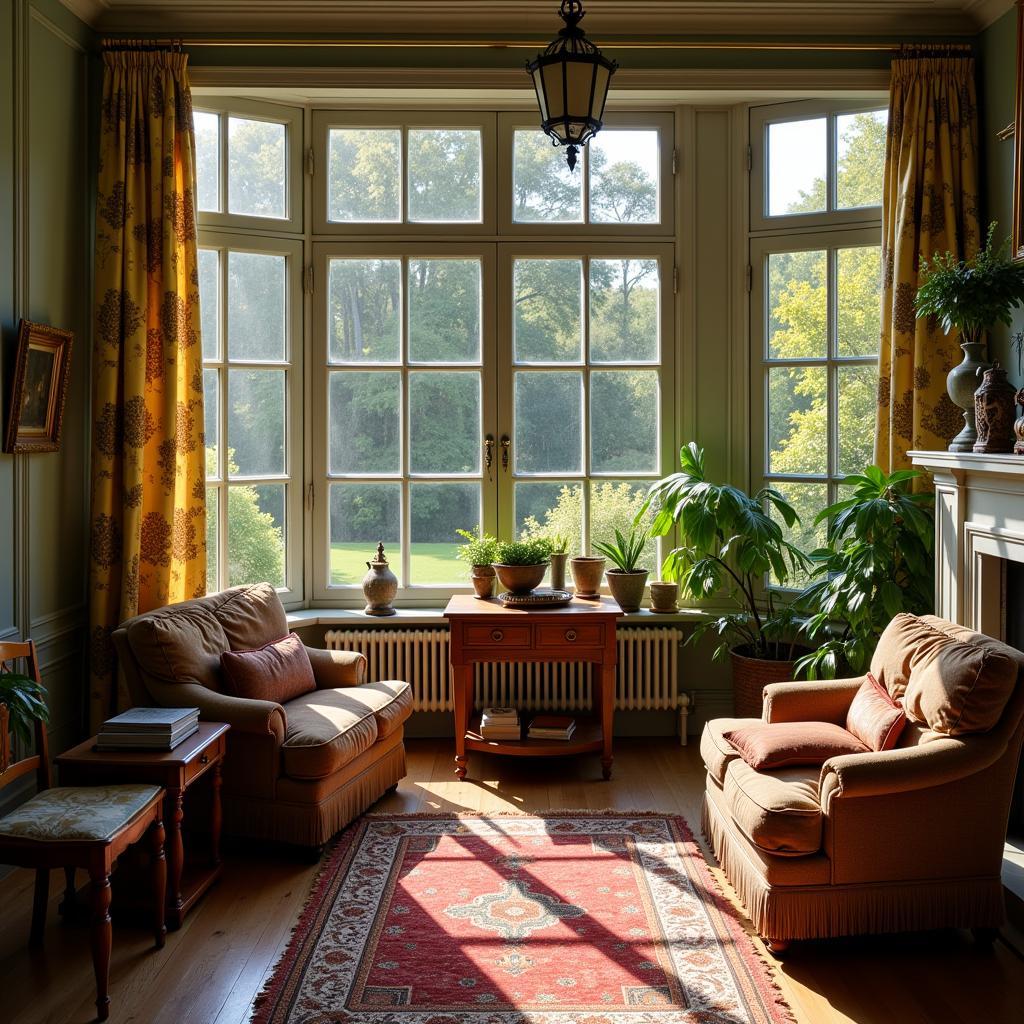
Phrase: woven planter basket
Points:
(751, 675)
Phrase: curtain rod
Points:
(923, 49)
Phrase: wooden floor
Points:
(212, 968)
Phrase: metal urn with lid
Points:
(995, 409)
(380, 585)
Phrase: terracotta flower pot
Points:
(751, 675)
(520, 579)
(627, 587)
(664, 596)
(558, 560)
(483, 581)
(586, 575)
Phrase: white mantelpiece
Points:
(979, 526)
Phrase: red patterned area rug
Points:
(567, 918)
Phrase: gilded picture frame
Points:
(41, 371)
(1018, 142)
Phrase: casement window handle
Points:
(506, 445)
(489, 454)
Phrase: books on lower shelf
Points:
(148, 729)
(551, 727)
(500, 724)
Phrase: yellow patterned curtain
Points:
(930, 205)
(148, 539)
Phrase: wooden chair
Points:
(79, 827)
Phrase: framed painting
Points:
(41, 367)
(1018, 143)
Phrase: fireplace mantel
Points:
(979, 526)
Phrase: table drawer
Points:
(497, 636)
(199, 764)
(570, 636)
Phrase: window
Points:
(816, 191)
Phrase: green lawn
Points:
(431, 563)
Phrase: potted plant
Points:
(626, 581)
(970, 296)
(877, 563)
(730, 544)
(559, 556)
(521, 564)
(25, 700)
(480, 552)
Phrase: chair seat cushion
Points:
(767, 746)
(329, 728)
(78, 813)
(715, 750)
(777, 811)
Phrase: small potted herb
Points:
(521, 564)
(480, 552)
(626, 581)
(25, 700)
(559, 558)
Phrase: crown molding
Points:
(604, 17)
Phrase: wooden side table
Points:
(487, 631)
(201, 755)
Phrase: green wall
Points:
(45, 275)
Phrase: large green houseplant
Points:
(877, 563)
(26, 703)
(730, 543)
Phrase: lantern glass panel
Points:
(601, 81)
(552, 77)
(579, 81)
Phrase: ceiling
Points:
(504, 18)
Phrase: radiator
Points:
(646, 676)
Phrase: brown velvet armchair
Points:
(900, 840)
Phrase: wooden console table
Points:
(201, 755)
(487, 631)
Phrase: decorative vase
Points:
(961, 382)
(587, 571)
(380, 585)
(664, 596)
(1018, 427)
(520, 579)
(627, 587)
(995, 408)
(558, 560)
(483, 581)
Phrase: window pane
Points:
(207, 131)
(365, 311)
(365, 422)
(364, 168)
(624, 421)
(808, 500)
(212, 511)
(550, 508)
(798, 305)
(436, 512)
(797, 158)
(209, 301)
(362, 516)
(797, 420)
(544, 190)
(211, 421)
(624, 311)
(613, 506)
(860, 158)
(444, 311)
(444, 175)
(256, 168)
(858, 298)
(256, 306)
(624, 177)
(549, 422)
(858, 400)
(256, 534)
(444, 423)
(256, 422)
(548, 319)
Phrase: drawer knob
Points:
(205, 759)
(497, 635)
(570, 635)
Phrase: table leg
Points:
(607, 716)
(175, 856)
(462, 677)
(159, 882)
(216, 815)
(101, 937)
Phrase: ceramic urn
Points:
(1018, 427)
(380, 585)
(995, 409)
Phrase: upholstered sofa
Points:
(298, 771)
(904, 839)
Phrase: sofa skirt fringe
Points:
(828, 911)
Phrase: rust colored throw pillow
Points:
(874, 717)
(278, 671)
(781, 744)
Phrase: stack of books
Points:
(551, 727)
(500, 724)
(148, 729)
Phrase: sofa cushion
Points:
(183, 647)
(278, 671)
(251, 616)
(326, 729)
(715, 750)
(777, 811)
(890, 664)
(781, 744)
(390, 701)
(958, 687)
(874, 717)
